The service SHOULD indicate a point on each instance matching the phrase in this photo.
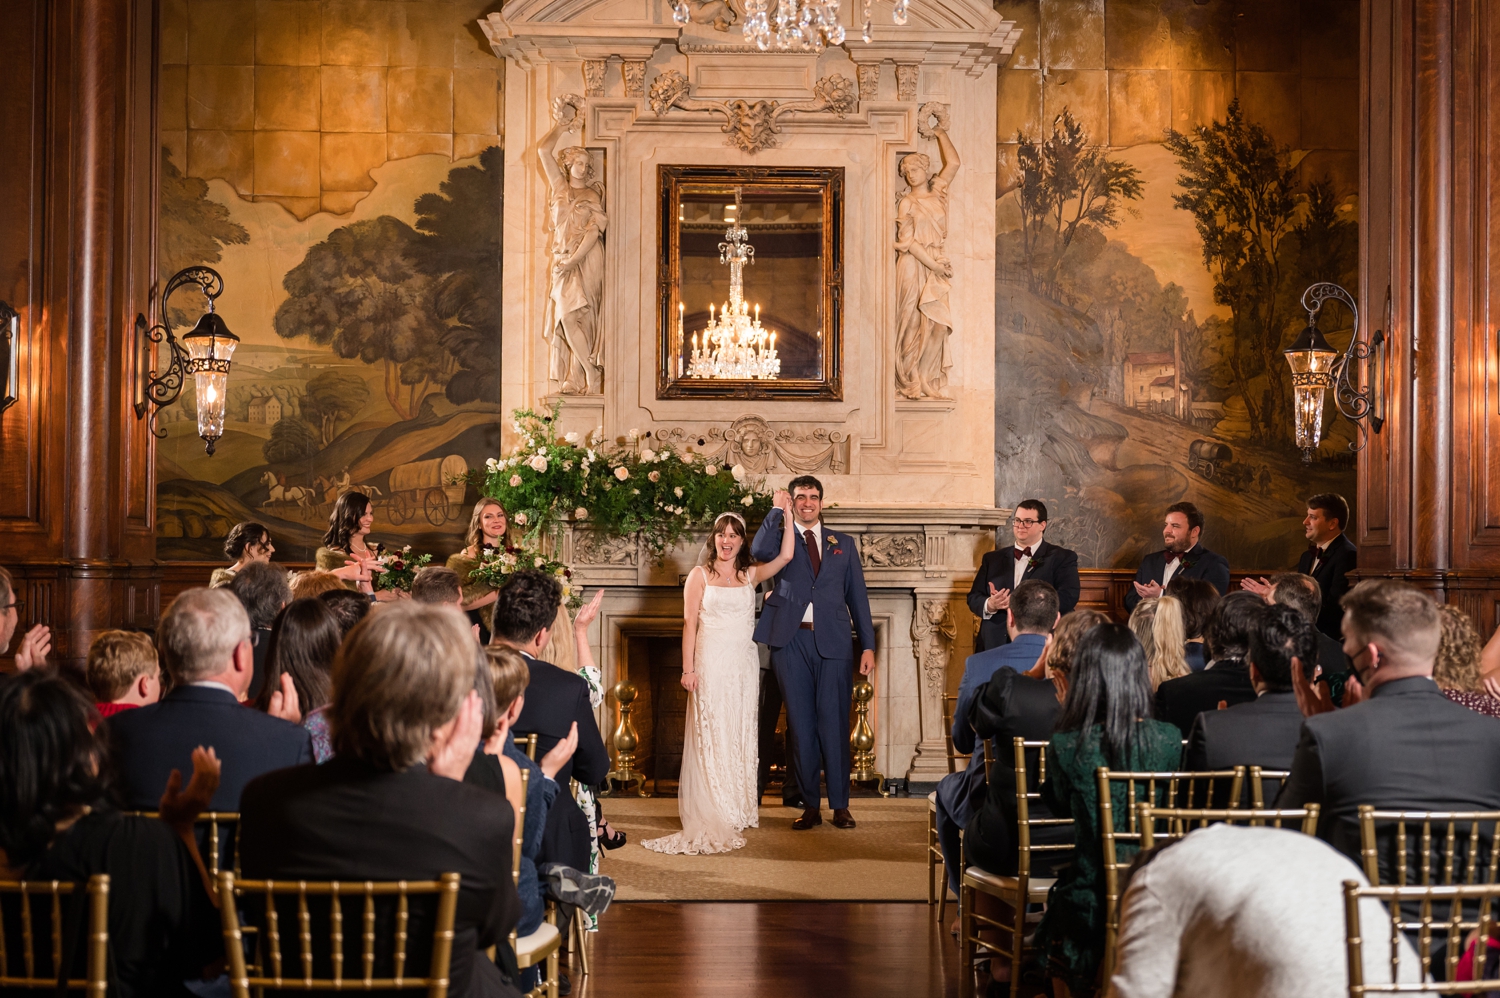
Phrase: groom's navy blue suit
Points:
(815, 666)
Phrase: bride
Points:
(716, 796)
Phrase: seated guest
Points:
(1199, 600)
(304, 642)
(348, 606)
(57, 823)
(1226, 680)
(247, 543)
(1456, 668)
(204, 640)
(1404, 745)
(35, 644)
(1303, 594)
(438, 585)
(122, 671)
(391, 804)
(1329, 558)
(556, 701)
(1183, 555)
(1264, 731)
(310, 585)
(263, 589)
(1030, 557)
(1105, 721)
(1234, 912)
(1162, 637)
(1029, 619)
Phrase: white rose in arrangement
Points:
(677, 492)
(632, 434)
(515, 481)
(539, 562)
(648, 455)
(571, 438)
(507, 559)
(538, 463)
(635, 492)
(589, 456)
(710, 470)
(738, 471)
(491, 464)
(655, 476)
(521, 519)
(622, 472)
(567, 466)
(580, 513)
(748, 501)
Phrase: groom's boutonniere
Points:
(831, 540)
(1186, 564)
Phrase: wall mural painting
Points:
(1124, 385)
(370, 358)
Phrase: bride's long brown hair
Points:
(732, 523)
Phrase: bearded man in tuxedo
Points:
(1002, 570)
(1329, 558)
(1182, 557)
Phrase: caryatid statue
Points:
(574, 327)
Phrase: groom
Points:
(806, 624)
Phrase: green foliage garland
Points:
(661, 494)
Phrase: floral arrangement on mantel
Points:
(497, 566)
(663, 493)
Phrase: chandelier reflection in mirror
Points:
(797, 25)
(733, 346)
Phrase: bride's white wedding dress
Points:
(716, 792)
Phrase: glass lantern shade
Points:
(1312, 361)
(210, 347)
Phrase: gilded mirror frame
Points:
(829, 183)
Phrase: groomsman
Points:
(1329, 558)
(1002, 570)
(1183, 556)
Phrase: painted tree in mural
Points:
(331, 396)
(291, 440)
(1066, 185)
(193, 233)
(1243, 194)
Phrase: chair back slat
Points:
(989, 758)
(950, 704)
(527, 744)
(1173, 823)
(215, 836)
(41, 972)
(1427, 927)
(1026, 847)
(1461, 834)
(1258, 777)
(268, 971)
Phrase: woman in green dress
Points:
(486, 536)
(346, 551)
(1105, 721)
(247, 542)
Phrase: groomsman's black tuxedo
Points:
(1198, 563)
(1340, 558)
(1049, 563)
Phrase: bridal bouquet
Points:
(497, 566)
(397, 570)
(662, 490)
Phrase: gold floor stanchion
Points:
(862, 740)
(626, 741)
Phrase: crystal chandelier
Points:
(796, 25)
(733, 346)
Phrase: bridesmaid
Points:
(247, 542)
(486, 535)
(345, 552)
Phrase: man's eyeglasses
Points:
(1018, 522)
(14, 606)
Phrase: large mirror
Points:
(750, 282)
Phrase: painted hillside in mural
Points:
(1158, 224)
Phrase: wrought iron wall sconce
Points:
(1317, 366)
(10, 355)
(204, 353)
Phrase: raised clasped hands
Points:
(180, 806)
(1151, 590)
(782, 500)
(999, 599)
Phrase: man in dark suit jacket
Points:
(1329, 558)
(555, 701)
(1184, 555)
(1030, 617)
(392, 804)
(1227, 678)
(1264, 731)
(204, 638)
(807, 621)
(1003, 569)
(1303, 594)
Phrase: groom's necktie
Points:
(813, 554)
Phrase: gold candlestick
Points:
(626, 742)
(862, 740)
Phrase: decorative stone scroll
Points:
(592, 547)
(752, 126)
(752, 442)
(633, 73)
(932, 632)
(892, 550)
(593, 77)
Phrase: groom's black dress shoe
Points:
(810, 817)
(842, 818)
(796, 802)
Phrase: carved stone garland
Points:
(892, 550)
(750, 441)
(752, 126)
(932, 632)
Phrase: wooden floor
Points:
(778, 949)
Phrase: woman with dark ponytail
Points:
(247, 542)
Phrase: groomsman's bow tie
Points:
(1172, 556)
(1023, 553)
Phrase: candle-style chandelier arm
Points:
(1354, 402)
(162, 388)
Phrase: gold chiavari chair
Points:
(218, 836)
(1175, 822)
(937, 882)
(540, 946)
(272, 970)
(1459, 840)
(527, 744)
(1015, 892)
(956, 760)
(1452, 931)
(1258, 778)
(44, 973)
(1164, 789)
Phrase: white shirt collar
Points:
(210, 684)
(816, 528)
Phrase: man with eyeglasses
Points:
(1030, 557)
(35, 643)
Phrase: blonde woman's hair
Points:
(116, 660)
(475, 537)
(1168, 642)
(400, 674)
(1457, 664)
(1142, 620)
(311, 584)
(1066, 635)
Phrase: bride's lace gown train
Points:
(716, 792)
